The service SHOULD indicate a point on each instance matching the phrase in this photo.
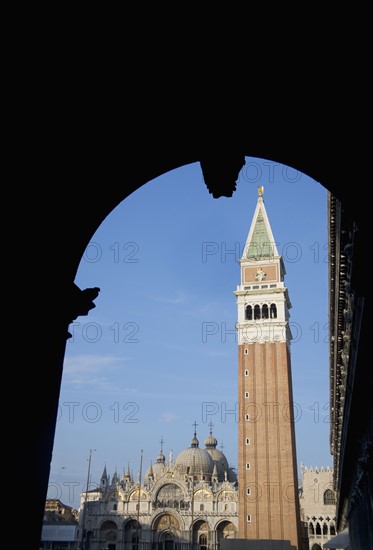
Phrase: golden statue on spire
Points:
(260, 190)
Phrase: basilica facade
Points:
(189, 501)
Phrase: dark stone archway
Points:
(89, 161)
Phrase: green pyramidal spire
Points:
(260, 243)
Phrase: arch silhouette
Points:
(92, 172)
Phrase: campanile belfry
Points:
(268, 505)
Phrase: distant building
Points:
(190, 499)
(317, 506)
(56, 507)
(60, 526)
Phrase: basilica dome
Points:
(195, 461)
(220, 460)
(158, 469)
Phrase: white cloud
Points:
(92, 371)
(169, 417)
(85, 364)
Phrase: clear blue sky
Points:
(159, 351)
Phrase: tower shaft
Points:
(268, 505)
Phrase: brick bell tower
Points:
(268, 506)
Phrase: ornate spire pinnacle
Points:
(195, 442)
(195, 428)
(260, 243)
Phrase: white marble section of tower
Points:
(262, 298)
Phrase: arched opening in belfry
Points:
(159, 349)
